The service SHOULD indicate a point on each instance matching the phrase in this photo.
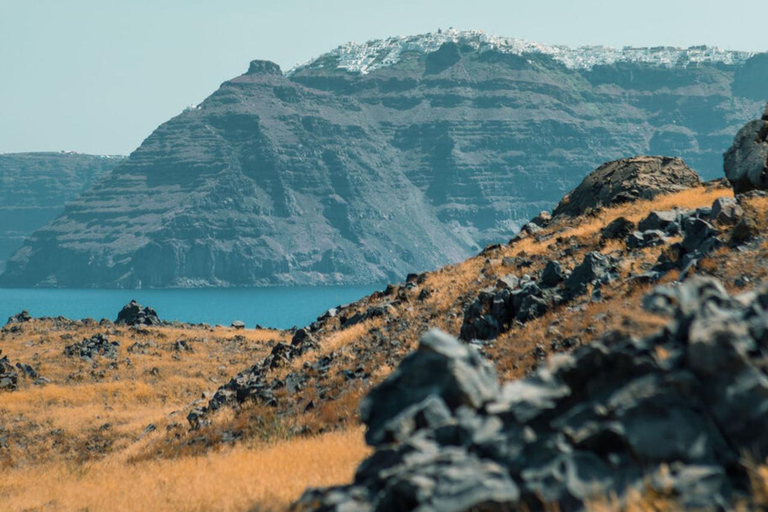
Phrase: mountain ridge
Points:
(325, 176)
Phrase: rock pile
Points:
(136, 314)
(253, 383)
(630, 179)
(520, 300)
(675, 411)
(19, 318)
(90, 348)
(746, 162)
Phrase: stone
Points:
(650, 238)
(698, 235)
(9, 377)
(542, 219)
(642, 177)
(508, 282)
(531, 229)
(95, 346)
(441, 367)
(745, 230)
(238, 324)
(659, 220)
(595, 269)
(726, 210)
(19, 318)
(746, 161)
(529, 302)
(134, 314)
(371, 312)
(618, 229)
(553, 274)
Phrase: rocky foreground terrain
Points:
(34, 187)
(381, 159)
(611, 356)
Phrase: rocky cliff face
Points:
(384, 158)
(34, 188)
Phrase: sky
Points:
(98, 76)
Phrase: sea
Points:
(277, 307)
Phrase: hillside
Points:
(630, 329)
(34, 187)
(380, 159)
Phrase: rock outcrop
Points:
(674, 412)
(382, 159)
(630, 179)
(134, 313)
(35, 188)
(89, 349)
(9, 377)
(746, 162)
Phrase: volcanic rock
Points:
(553, 274)
(746, 161)
(9, 377)
(134, 314)
(442, 375)
(618, 229)
(594, 270)
(621, 181)
(660, 220)
(726, 210)
(90, 348)
(674, 412)
(19, 318)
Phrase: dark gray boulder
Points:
(744, 230)
(746, 161)
(726, 210)
(595, 269)
(666, 300)
(659, 220)
(134, 313)
(542, 219)
(649, 238)
(441, 368)
(698, 234)
(9, 377)
(19, 318)
(553, 274)
(495, 309)
(618, 229)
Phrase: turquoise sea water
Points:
(279, 307)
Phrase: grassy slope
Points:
(89, 467)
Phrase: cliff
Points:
(35, 187)
(384, 158)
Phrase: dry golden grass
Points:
(92, 409)
(454, 281)
(77, 444)
(239, 479)
(268, 468)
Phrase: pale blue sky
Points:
(98, 76)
